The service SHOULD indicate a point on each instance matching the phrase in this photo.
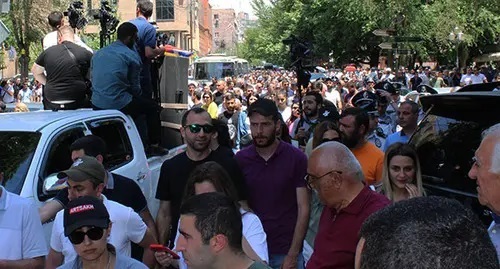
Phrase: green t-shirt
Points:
(258, 265)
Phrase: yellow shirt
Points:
(212, 110)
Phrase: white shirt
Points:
(25, 96)
(21, 232)
(127, 226)
(286, 113)
(254, 233)
(50, 40)
(477, 79)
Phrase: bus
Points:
(219, 66)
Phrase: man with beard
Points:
(303, 129)
(354, 124)
(231, 117)
(197, 131)
(274, 173)
(407, 119)
(116, 85)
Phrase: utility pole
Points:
(191, 24)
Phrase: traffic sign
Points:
(387, 45)
(384, 32)
(4, 32)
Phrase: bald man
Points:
(66, 66)
(336, 176)
(486, 171)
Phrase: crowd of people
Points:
(274, 175)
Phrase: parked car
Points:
(447, 138)
(35, 148)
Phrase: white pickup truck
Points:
(34, 147)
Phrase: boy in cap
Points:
(86, 178)
(87, 226)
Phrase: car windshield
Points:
(214, 70)
(17, 152)
(445, 147)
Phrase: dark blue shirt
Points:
(146, 37)
(115, 76)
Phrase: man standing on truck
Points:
(486, 172)
(197, 130)
(86, 178)
(117, 187)
(22, 244)
(116, 85)
(66, 67)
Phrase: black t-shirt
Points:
(175, 173)
(64, 79)
(125, 191)
(415, 81)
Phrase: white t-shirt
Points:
(254, 233)
(286, 113)
(477, 79)
(50, 40)
(127, 226)
(25, 96)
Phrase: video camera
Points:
(299, 53)
(105, 16)
(75, 15)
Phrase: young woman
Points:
(88, 226)
(209, 105)
(211, 177)
(401, 177)
(283, 108)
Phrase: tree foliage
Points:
(342, 29)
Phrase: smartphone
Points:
(162, 248)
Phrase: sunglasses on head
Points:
(94, 234)
(196, 128)
(324, 140)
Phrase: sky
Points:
(238, 5)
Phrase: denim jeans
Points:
(276, 260)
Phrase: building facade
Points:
(225, 27)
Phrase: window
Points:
(216, 24)
(119, 150)
(165, 10)
(16, 155)
(216, 16)
(216, 35)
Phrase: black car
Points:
(447, 138)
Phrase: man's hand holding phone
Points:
(164, 256)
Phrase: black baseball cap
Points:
(85, 168)
(85, 211)
(264, 107)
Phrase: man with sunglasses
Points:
(335, 174)
(86, 178)
(87, 225)
(197, 131)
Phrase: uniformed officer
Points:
(368, 101)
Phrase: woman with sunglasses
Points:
(211, 177)
(88, 226)
(209, 105)
(401, 177)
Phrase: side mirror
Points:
(53, 184)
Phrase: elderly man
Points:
(486, 172)
(336, 176)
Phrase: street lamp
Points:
(456, 37)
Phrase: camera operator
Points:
(56, 21)
(146, 44)
(66, 66)
(115, 85)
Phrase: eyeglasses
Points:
(196, 128)
(94, 234)
(295, 107)
(324, 140)
(206, 97)
(310, 178)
